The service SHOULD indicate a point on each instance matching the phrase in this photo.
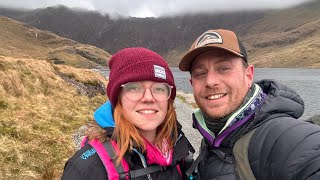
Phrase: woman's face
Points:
(141, 107)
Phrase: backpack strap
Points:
(240, 152)
(202, 154)
(144, 171)
(107, 151)
(123, 168)
(107, 154)
(84, 141)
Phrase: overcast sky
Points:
(154, 8)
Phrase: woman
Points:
(135, 134)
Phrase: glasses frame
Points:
(169, 95)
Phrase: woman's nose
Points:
(147, 95)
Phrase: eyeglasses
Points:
(134, 91)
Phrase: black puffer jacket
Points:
(92, 168)
(282, 147)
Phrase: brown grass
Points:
(285, 38)
(20, 40)
(38, 114)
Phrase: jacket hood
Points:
(280, 101)
(104, 115)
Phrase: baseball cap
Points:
(213, 39)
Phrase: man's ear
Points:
(249, 75)
(190, 80)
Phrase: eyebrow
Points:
(197, 66)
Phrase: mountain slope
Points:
(286, 38)
(274, 38)
(20, 40)
(42, 103)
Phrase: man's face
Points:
(220, 82)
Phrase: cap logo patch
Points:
(209, 38)
(159, 72)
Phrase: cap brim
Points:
(186, 61)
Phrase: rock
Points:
(314, 119)
(78, 136)
(87, 89)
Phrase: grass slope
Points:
(38, 114)
(20, 40)
(42, 103)
(285, 38)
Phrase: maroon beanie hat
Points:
(137, 64)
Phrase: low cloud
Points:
(155, 8)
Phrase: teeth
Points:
(147, 112)
(215, 96)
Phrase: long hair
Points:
(127, 135)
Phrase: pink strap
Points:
(124, 163)
(83, 142)
(106, 160)
(179, 170)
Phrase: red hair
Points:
(127, 135)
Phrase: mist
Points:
(156, 8)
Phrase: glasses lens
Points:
(135, 91)
(161, 91)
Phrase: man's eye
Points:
(225, 68)
(199, 74)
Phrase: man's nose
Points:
(212, 79)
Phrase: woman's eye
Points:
(133, 88)
(160, 89)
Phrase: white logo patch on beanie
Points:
(159, 72)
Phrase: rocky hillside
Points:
(285, 38)
(19, 40)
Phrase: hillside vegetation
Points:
(42, 103)
(20, 40)
(286, 38)
(274, 38)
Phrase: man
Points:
(251, 130)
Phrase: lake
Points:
(306, 82)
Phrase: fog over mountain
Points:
(155, 8)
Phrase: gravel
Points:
(184, 116)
